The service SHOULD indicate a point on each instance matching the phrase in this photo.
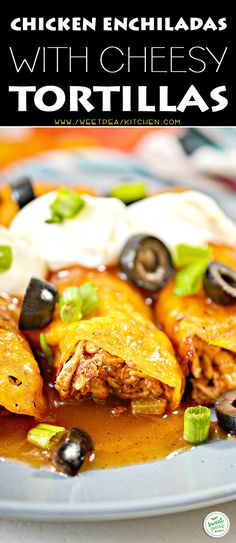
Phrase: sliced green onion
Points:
(70, 304)
(188, 280)
(78, 302)
(66, 205)
(193, 262)
(186, 255)
(197, 424)
(129, 192)
(47, 351)
(46, 436)
(90, 298)
(147, 406)
(5, 258)
(55, 218)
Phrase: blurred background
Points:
(198, 158)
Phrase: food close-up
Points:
(117, 321)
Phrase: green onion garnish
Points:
(66, 205)
(193, 262)
(129, 192)
(70, 304)
(78, 302)
(5, 258)
(47, 351)
(197, 424)
(186, 255)
(90, 298)
(46, 436)
(188, 280)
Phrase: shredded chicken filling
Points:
(217, 372)
(93, 372)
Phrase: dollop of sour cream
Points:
(188, 217)
(25, 264)
(96, 235)
(93, 238)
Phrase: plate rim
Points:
(108, 510)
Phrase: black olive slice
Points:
(220, 283)
(225, 407)
(80, 436)
(22, 191)
(71, 455)
(147, 262)
(38, 305)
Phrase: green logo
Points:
(216, 524)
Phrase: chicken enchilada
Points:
(112, 309)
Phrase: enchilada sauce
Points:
(120, 439)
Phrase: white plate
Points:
(200, 477)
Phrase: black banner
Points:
(117, 70)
